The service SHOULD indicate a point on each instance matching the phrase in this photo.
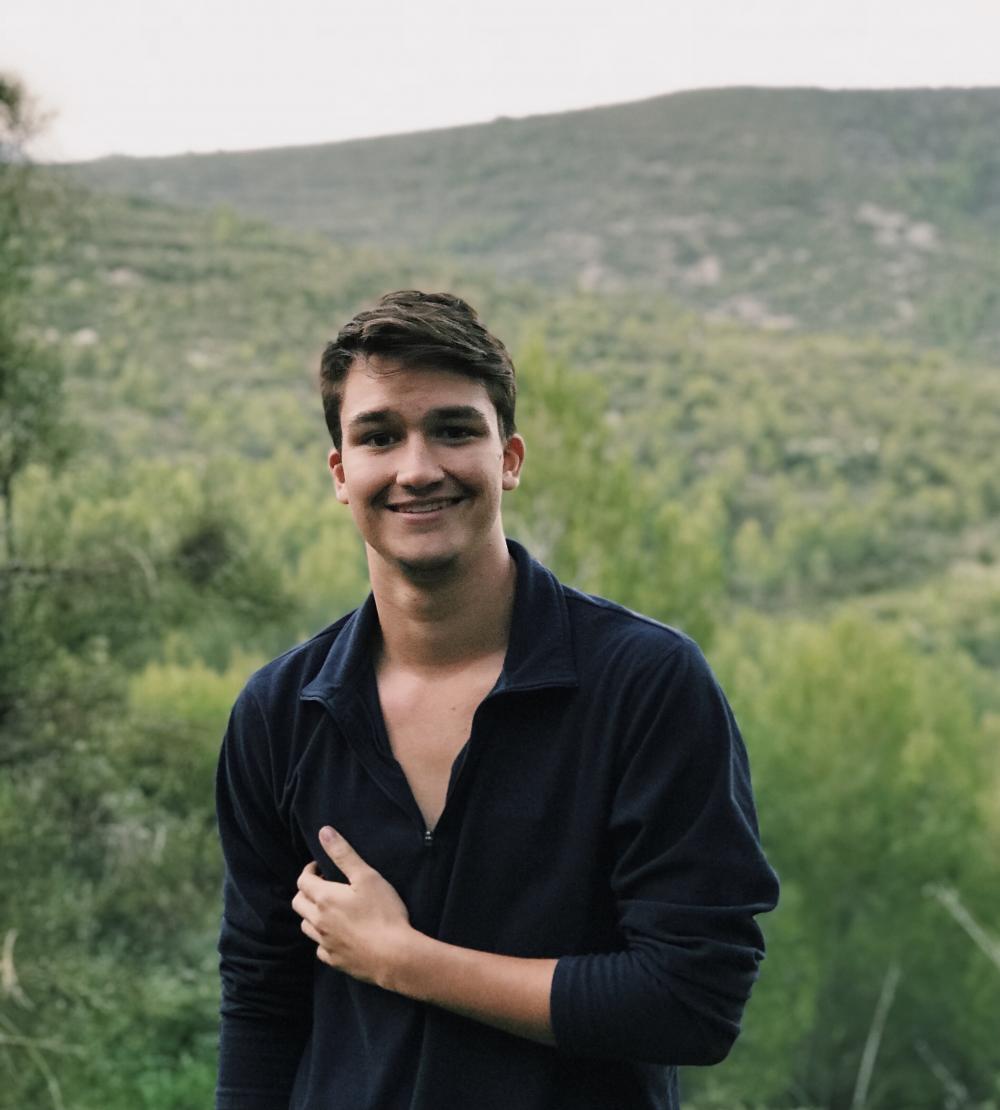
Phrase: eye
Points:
(457, 432)
(378, 439)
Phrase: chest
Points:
(519, 835)
(428, 720)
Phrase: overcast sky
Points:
(164, 76)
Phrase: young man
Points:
(489, 842)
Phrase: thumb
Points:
(342, 854)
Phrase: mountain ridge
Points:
(119, 156)
(803, 209)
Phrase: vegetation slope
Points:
(819, 509)
(788, 209)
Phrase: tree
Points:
(585, 509)
(875, 773)
(30, 380)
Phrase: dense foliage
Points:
(820, 511)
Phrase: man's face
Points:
(422, 465)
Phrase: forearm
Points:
(257, 1063)
(508, 992)
(361, 927)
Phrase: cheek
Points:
(357, 498)
(360, 519)
(366, 523)
(356, 484)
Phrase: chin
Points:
(422, 568)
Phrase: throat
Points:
(436, 615)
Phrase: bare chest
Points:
(428, 722)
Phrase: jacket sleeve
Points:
(688, 875)
(266, 962)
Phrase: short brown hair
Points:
(420, 331)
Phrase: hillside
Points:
(836, 465)
(801, 209)
(819, 510)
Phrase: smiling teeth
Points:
(425, 507)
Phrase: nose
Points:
(418, 464)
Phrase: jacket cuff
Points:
(612, 1006)
(257, 1064)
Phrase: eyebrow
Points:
(457, 412)
(372, 416)
(447, 412)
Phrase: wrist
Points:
(406, 956)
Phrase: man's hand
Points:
(360, 927)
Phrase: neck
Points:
(454, 616)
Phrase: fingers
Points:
(315, 935)
(311, 883)
(311, 931)
(342, 854)
(305, 907)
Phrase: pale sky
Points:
(166, 76)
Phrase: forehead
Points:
(378, 384)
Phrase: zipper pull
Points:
(428, 838)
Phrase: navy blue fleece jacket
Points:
(600, 813)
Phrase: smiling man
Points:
(489, 842)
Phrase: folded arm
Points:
(362, 928)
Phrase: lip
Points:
(424, 507)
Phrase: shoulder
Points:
(643, 676)
(656, 692)
(283, 679)
(271, 725)
(610, 635)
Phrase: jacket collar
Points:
(540, 650)
(539, 653)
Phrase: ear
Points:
(513, 460)
(335, 462)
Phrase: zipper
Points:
(428, 838)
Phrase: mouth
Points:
(416, 508)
